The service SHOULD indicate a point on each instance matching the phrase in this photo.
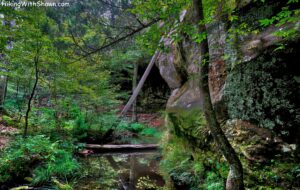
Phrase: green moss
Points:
(190, 125)
(263, 92)
(191, 161)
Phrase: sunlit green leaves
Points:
(198, 38)
(286, 15)
(292, 1)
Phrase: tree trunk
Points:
(5, 91)
(134, 82)
(36, 60)
(3, 84)
(140, 85)
(17, 90)
(235, 176)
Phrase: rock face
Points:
(252, 89)
(179, 66)
(167, 65)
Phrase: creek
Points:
(128, 170)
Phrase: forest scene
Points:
(150, 94)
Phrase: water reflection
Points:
(121, 171)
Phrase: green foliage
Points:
(190, 125)
(80, 128)
(190, 158)
(61, 186)
(178, 164)
(140, 129)
(162, 8)
(14, 103)
(192, 169)
(8, 120)
(63, 82)
(106, 121)
(39, 153)
(146, 183)
(283, 17)
(213, 182)
(287, 15)
(149, 41)
(280, 174)
(136, 127)
(168, 11)
(91, 178)
(61, 165)
(44, 118)
(248, 23)
(150, 132)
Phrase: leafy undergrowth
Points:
(84, 126)
(135, 133)
(46, 157)
(3, 141)
(6, 130)
(38, 160)
(188, 168)
(281, 173)
(6, 126)
(190, 163)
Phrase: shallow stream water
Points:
(121, 171)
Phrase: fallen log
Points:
(127, 153)
(113, 147)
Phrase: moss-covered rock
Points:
(250, 82)
(264, 92)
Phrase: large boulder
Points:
(167, 63)
(186, 97)
(179, 66)
(255, 143)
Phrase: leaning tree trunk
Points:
(235, 176)
(140, 84)
(134, 82)
(36, 61)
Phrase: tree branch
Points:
(118, 40)
(76, 43)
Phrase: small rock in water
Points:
(86, 152)
(28, 179)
